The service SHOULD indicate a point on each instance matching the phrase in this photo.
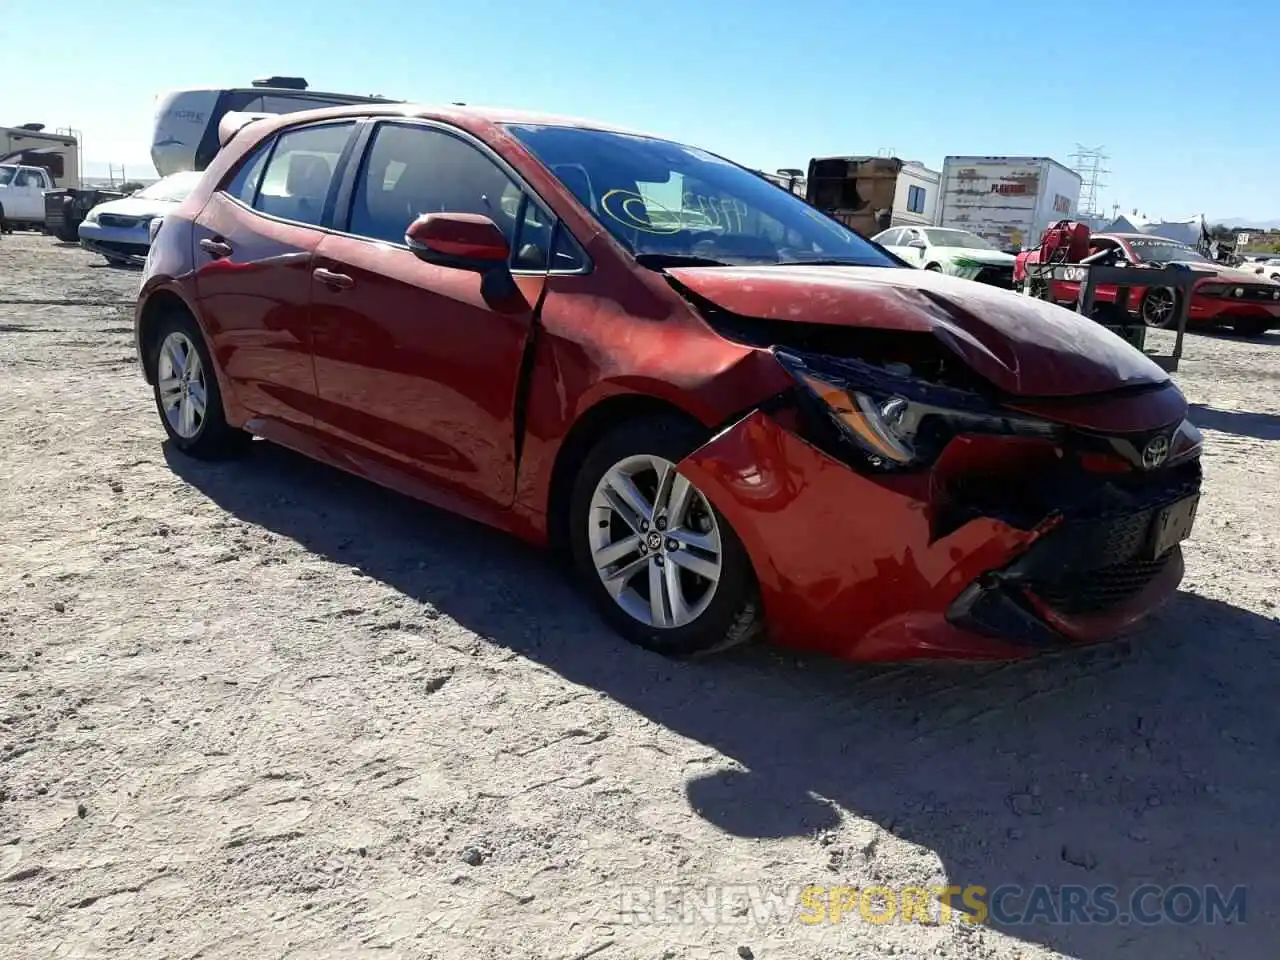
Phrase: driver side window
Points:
(411, 170)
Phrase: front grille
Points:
(1099, 590)
(996, 276)
(1250, 292)
(116, 220)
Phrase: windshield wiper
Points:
(656, 261)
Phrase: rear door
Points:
(254, 242)
(414, 367)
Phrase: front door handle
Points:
(218, 249)
(338, 280)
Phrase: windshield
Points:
(958, 238)
(173, 188)
(1159, 250)
(667, 200)
(6, 175)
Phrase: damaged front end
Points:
(896, 505)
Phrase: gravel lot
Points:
(262, 709)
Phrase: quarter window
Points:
(295, 185)
(244, 185)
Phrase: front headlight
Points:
(895, 421)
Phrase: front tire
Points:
(186, 392)
(661, 564)
(934, 267)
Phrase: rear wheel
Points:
(1157, 307)
(659, 561)
(186, 391)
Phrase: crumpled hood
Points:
(136, 207)
(1234, 274)
(1023, 346)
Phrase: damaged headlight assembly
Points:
(893, 420)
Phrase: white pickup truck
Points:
(22, 196)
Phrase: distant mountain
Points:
(1244, 223)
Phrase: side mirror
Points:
(917, 244)
(468, 241)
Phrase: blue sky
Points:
(1181, 93)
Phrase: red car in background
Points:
(732, 412)
(1243, 299)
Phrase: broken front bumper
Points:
(870, 569)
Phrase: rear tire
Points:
(186, 391)
(680, 544)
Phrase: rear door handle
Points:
(339, 280)
(216, 248)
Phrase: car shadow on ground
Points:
(1149, 761)
(1243, 423)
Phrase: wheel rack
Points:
(1121, 321)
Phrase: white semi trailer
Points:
(1008, 201)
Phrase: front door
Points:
(413, 366)
(912, 254)
(24, 197)
(254, 242)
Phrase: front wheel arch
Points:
(586, 431)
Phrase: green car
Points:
(957, 252)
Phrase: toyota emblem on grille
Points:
(1155, 452)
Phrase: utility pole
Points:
(1089, 163)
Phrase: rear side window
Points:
(296, 182)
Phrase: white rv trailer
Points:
(30, 145)
(186, 126)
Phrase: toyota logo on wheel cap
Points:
(1155, 452)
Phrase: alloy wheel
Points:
(180, 377)
(1157, 306)
(654, 542)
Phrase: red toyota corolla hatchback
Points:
(734, 413)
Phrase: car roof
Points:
(467, 116)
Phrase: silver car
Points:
(120, 230)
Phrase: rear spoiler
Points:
(233, 122)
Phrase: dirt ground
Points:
(261, 709)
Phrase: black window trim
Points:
(339, 172)
(352, 171)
